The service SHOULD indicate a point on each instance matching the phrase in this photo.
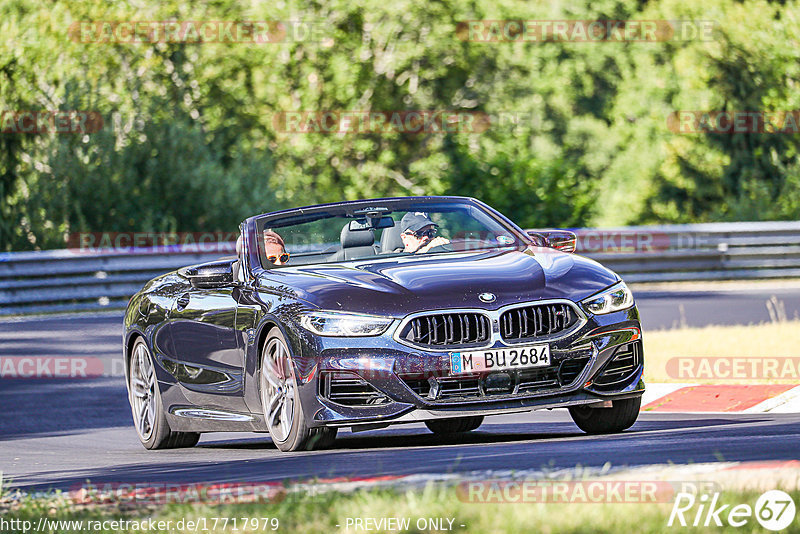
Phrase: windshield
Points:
(379, 230)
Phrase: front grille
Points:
(471, 387)
(349, 389)
(623, 365)
(447, 330)
(537, 320)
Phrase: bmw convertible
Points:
(370, 313)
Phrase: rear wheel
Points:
(621, 415)
(145, 399)
(280, 400)
(454, 426)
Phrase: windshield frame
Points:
(257, 224)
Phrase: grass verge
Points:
(336, 512)
(760, 341)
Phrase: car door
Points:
(210, 360)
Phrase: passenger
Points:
(418, 233)
(274, 248)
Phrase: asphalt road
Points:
(661, 309)
(59, 433)
(541, 440)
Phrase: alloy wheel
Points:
(278, 387)
(143, 391)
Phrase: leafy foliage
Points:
(578, 131)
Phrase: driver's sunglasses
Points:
(430, 233)
(283, 258)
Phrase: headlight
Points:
(615, 298)
(325, 323)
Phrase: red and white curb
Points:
(725, 398)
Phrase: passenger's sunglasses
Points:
(283, 258)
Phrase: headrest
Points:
(390, 240)
(356, 238)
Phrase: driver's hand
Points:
(435, 242)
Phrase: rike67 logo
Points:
(774, 510)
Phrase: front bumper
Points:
(396, 375)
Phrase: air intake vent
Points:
(539, 379)
(447, 330)
(623, 365)
(571, 369)
(349, 389)
(538, 320)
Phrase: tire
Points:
(619, 417)
(146, 407)
(458, 425)
(280, 400)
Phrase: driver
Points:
(418, 233)
(274, 248)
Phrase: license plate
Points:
(477, 361)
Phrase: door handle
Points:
(183, 301)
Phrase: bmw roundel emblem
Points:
(487, 297)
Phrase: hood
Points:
(403, 285)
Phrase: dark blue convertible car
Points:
(377, 312)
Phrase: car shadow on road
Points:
(419, 436)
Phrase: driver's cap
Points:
(415, 221)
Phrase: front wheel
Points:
(621, 415)
(280, 400)
(145, 399)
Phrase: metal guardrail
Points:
(692, 252)
(74, 280)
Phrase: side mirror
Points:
(562, 240)
(209, 275)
